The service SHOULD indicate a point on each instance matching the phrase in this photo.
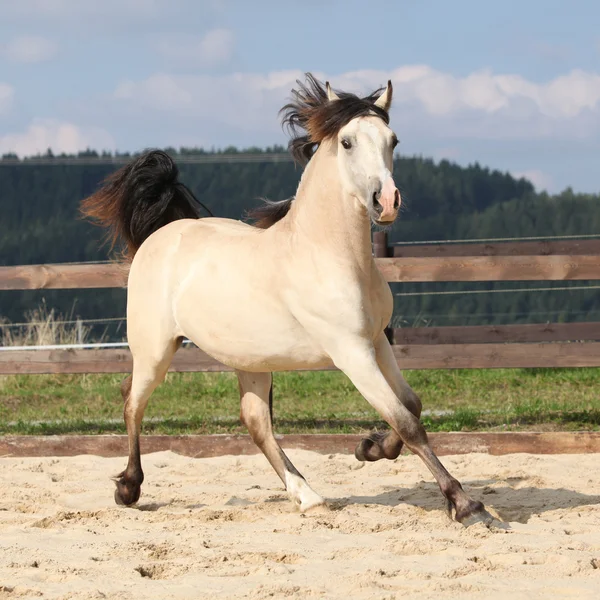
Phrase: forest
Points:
(39, 223)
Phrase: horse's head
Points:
(365, 148)
(358, 133)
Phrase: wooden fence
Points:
(548, 345)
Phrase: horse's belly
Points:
(260, 362)
(263, 341)
(262, 353)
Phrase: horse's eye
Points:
(346, 144)
(394, 142)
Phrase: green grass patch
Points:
(308, 402)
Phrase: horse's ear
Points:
(331, 95)
(385, 100)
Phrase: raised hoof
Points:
(126, 494)
(372, 448)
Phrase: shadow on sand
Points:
(516, 504)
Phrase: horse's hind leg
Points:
(256, 393)
(149, 369)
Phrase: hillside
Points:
(441, 201)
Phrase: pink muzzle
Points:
(389, 200)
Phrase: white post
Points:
(79, 331)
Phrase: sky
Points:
(513, 85)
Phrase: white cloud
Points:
(59, 136)
(541, 181)
(248, 102)
(29, 49)
(161, 92)
(7, 94)
(214, 48)
(484, 92)
(426, 101)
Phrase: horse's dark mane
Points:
(311, 118)
(269, 212)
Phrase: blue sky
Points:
(513, 85)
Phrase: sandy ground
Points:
(223, 528)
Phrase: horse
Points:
(296, 289)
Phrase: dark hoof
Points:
(127, 493)
(367, 450)
(481, 516)
(374, 448)
(476, 513)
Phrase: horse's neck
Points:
(324, 216)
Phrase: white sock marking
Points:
(301, 493)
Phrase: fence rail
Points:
(46, 277)
(417, 356)
(403, 269)
(490, 334)
(535, 248)
(547, 345)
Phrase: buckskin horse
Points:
(297, 289)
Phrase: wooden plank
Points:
(63, 276)
(488, 334)
(492, 356)
(410, 269)
(202, 446)
(534, 248)
(97, 361)
(421, 356)
(490, 268)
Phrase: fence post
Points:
(382, 250)
(79, 331)
(380, 244)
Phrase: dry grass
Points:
(43, 327)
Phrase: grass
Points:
(325, 402)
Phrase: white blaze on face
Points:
(365, 160)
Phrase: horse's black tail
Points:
(140, 198)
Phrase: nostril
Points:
(376, 203)
(396, 199)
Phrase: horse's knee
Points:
(408, 397)
(413, 403)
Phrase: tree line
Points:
(39, 222)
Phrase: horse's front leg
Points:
(358, 359)
(388, 444)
